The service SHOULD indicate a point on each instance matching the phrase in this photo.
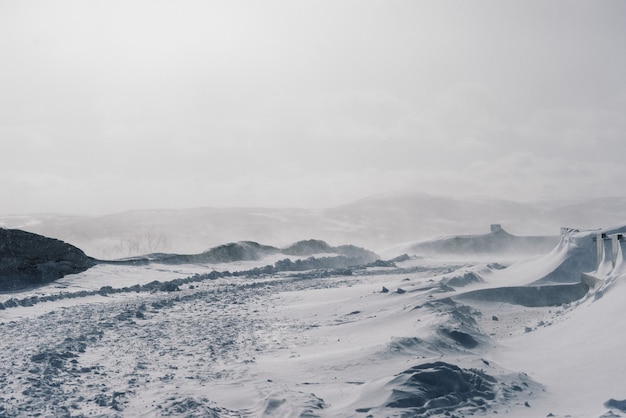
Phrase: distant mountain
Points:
(376, 222)
(591, 214)
(393, 218)
(28, 259)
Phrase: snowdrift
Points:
(564, 275)
(401, 338)
(575, 254)
(495, 242)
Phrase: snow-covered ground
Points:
(425, 338)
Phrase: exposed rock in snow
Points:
(616, 404)
(28, 259)
(247, 251)
(265, 340)
(439, 387)
(308, 247)
(226, 253)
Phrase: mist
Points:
(114, 106)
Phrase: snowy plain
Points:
(421, 338)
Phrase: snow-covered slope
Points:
(409, 338)
(578, 355)
(576, 253)
(496, 242)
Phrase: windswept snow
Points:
(404, 338)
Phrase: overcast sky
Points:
(113, 105)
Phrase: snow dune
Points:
(409, 338)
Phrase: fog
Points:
(109, 106)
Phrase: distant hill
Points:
(376, 222)
(248, 250)
(308, 247)
(28, 259)
(226, 253)
(498, 241)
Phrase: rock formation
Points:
(28, 259)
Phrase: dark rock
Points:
(462, 338)
(11, 303)
(437, 388)
(615, 404)
(381, 263)
(464, 280)
(28, 259)
(385, 290)
(105, 290)
(169, 287)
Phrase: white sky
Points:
(114, 105)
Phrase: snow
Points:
(290, 345)
(580, 358)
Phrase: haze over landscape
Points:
(281, 209)
(110, 106)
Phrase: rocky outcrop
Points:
(28, 259)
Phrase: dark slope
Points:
(28, 259)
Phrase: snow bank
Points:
(575, 254)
